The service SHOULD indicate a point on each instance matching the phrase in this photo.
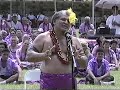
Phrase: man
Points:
(114, 47)
(14, 23)
(26, 26)
(110, 56)
(2, 46)
(51, 48)
(4, 24)
(113, 21)
(46, 25)
(86, 26)
(9, 70)
(98, 69)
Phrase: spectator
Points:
(26, 26)
(19, 34)
(9, 70)
(40, 18)
(13, 47)
(46, 26)
(14, 22)
(4, 24)
(12, 33)
(113, 21)
(86, 26)
(114, 47)
(110, 56)
(3, 45)
(4, 34)
(25, 37)
(73, 30)
(98, 69)
(99, 44)
(21, 54)
(32, 18)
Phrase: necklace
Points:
(25, 30)
(57, 48)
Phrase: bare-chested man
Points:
(51, 48)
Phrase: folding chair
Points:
(32, 75)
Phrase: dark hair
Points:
(115, 7)
(113, 41)
(100, 50)
(5, 50)
(106, 41)
(98, 41)
(3, 43)
(4, 16)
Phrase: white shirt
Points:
(31, 17)
(2, 70)
(40, 17)
(109, 21)
(19, 17)
(15, 25)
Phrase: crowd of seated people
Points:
(15, 39)
(106, 49)
(13, 48)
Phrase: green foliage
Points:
(81, 8)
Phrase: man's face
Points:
(4, 35)
(45, 21)
(63, 23)
(106, 45)
(12, 33)
(5, 55)
(87, 20)
(1, 47)
(14, 18)
(13, 41)
(19, 33)
(26, 43)
(113, 45)
(100, 55)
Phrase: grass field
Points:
(116, 74)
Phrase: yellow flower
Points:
(72, 17)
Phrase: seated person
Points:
(116, 49)
(9, 70)
(83, 35)
(82, 72)
(86, 50)
(110, 56)
(21, 55)
(98, 69)
(103, 29)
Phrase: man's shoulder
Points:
(111, 16)
(105, 61)
(82, 24)
(42, 36)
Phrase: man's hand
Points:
(48, 53)
(114, 23)
(99, 78)
(96, 81)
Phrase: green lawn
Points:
(116, 74)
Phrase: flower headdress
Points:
(72, 17)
